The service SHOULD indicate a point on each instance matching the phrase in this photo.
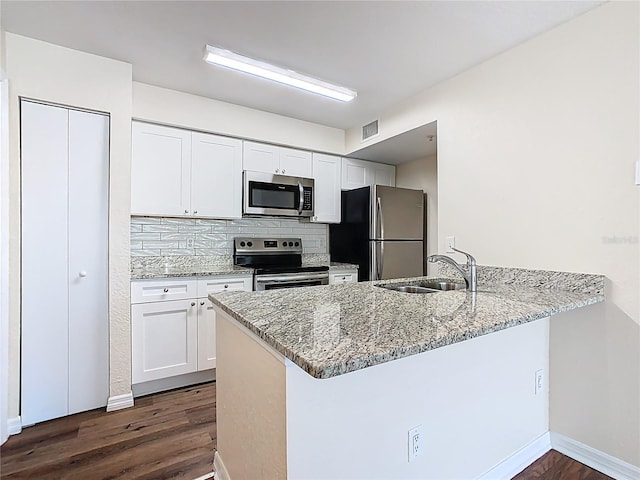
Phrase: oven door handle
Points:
(290, 278)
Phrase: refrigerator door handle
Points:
(381, 260)
(380, 218)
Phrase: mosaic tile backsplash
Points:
(152, 236)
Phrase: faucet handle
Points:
(470, 259)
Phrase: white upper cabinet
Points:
(295, 163)
(216, 176)
(382, 174)
(326, 173)
(260, 157)
(362, 173)
(176, 172)
(160, 170)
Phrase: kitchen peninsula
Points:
(326, 382)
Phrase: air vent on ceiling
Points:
(370, 130)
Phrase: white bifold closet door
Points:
(65, 213)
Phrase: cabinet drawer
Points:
(143, 291)
(343, 277)
(224, 284)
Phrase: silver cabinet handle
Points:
(277, 170)
(226, 286)
(186, 211)
(193, 304)
(201, 304)
(283, 170)
(166, 290)
(195, 211)
(82, 273)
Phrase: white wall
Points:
(170, 107)
(423, 174)
(536, 154)
(476, 409)
(55, 74)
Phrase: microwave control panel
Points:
(307, 201)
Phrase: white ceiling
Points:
(386, 50)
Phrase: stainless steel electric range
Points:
(277, 263)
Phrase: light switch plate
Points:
(450, 241)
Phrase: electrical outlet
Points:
(539, 381)
(189, 242)
(450, 241)
(416, 443)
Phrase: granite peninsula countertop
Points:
(335, 329)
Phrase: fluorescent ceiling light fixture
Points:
(225, 58)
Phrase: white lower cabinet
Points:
(337, 277)
(164, 337)
(173, 324)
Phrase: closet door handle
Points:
(82, 273)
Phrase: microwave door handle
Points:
(301, 202)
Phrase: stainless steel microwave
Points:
(281, 195)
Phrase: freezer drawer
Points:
(395, 259)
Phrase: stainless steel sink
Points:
(427, 286)
(412, 289)
(443, 285)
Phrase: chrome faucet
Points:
(470, 278)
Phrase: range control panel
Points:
(267, 245)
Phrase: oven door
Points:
(268, 194)
(289, 280)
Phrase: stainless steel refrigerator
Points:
(382, 231)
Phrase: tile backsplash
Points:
(153, 236)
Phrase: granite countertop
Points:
(342, 266)
(159, 267)
(188, 271)
(336, 329)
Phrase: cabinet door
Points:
(216, 176)
(326, 173)
(382, 174)
(206, 334)
(355, 173)
(45, 283)
(259, 157)
(160, 170)
(295, 163)
(164, 339)
(88, 261)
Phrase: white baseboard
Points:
(220, 472)
(520, 459)
(206, 476)
(603, 462)
(169, 383)
(14, 425)
(118, 402)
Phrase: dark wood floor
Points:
(556, 466)
(166, 435)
